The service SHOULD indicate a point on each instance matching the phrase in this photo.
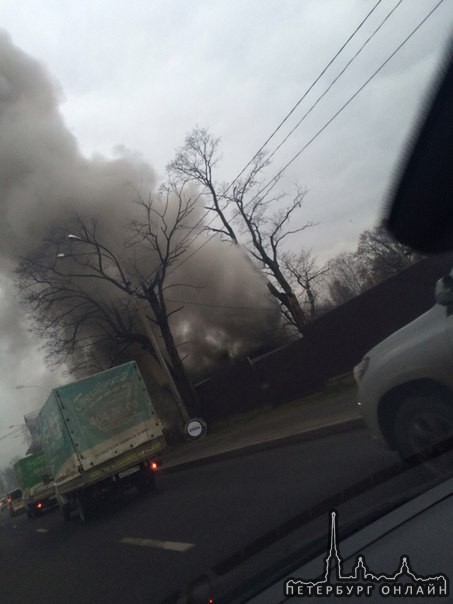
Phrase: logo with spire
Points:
(362, 582)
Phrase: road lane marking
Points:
(42, 530)
(175, 546)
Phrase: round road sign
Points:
(195, 428)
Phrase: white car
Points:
(405, 383)
(15, 502)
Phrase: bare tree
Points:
(195, 162)
(381, 256)
(81, 328)
(347, 279)
(88, 300)
(377, 257)
(244, 210)
(165, 230)
(307, 275)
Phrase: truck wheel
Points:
(424, 433)
(66, 511)
(83, 508)
(145, 484)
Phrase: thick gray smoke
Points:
(44, 180)
(43, 177)
(230, 314)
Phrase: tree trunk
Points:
(177, 369)
(312, 301)
(291, 303)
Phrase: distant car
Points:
(15, 502)
(406, 384)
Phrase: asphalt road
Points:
(141, 549)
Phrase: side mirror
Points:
(444, 291)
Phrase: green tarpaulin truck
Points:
(100, 435)
(37, 495)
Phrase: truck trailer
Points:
(100, 436)
(38, 493)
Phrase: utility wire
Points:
(283, 121)
(273, 181)
(222, 306)
(351, 60)
(12, 432)
(288, 115)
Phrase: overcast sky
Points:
(141, 74)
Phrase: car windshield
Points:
(210, 339)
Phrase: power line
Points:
(351, 60)
(222, 306)
(351, 98)
(323, 71)
(12, 432)
(283, 121)
(273, 181)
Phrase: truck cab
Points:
(405, 386)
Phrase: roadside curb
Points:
(320, 432)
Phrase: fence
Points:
(331, 345)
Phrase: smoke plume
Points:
(44, 180)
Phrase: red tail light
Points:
(39, 505)
(9, 499)
(154, 465)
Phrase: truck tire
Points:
(83, 507)
(423, 432)
(66, 512)
(145, 484)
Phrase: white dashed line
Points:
(42, 531)
(174, 546)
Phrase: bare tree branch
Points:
(71, 315)
(264, 231)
